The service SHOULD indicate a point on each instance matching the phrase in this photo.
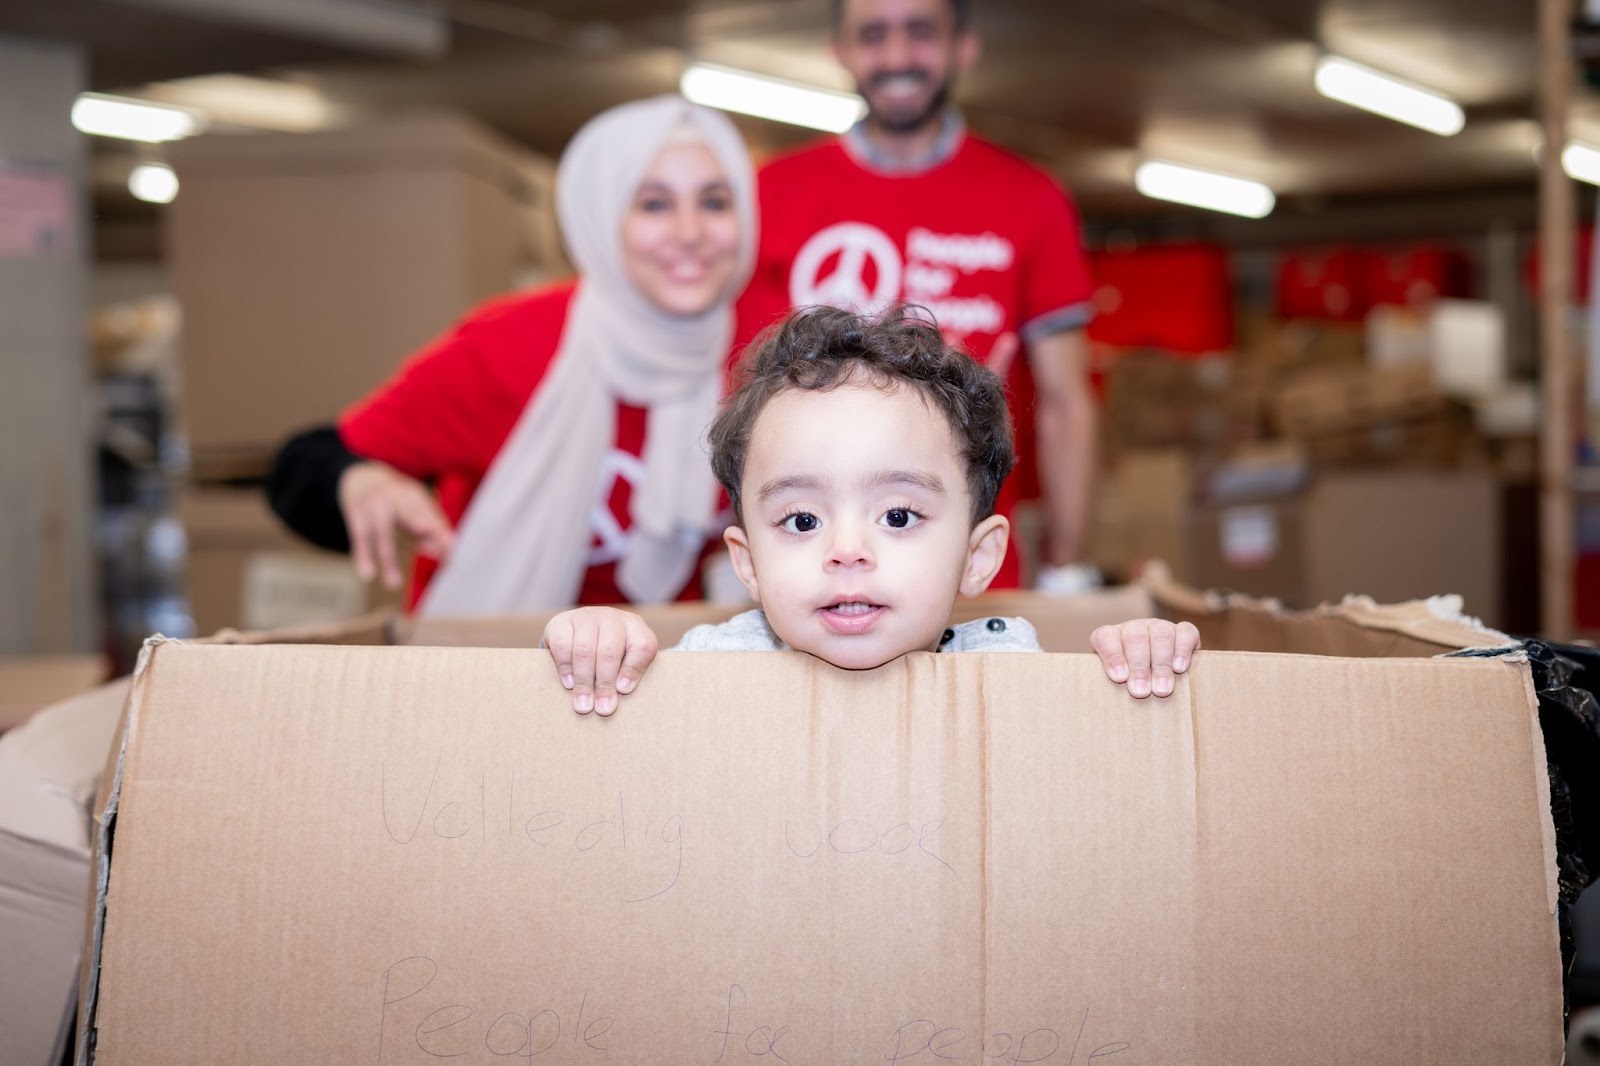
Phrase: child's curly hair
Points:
(821, 348)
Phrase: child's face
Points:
(857, 532)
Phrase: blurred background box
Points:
(246, 571)
(310, 265)
(1391, 534)
(1142, 512)
(29, 682)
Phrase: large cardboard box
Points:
(333, 854)
(1394, 535)
(1406, 534)
(310, 265)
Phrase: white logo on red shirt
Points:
(930, 269)
(610, 539)
(856, 244)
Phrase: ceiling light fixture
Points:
(134, 120)
(771, 98)
(1581, 161)
(1203, 188)
(153, 183)
(1383, 94)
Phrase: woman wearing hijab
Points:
(561, 429)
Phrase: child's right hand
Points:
(599, 652)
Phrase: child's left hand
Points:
(1145, 653)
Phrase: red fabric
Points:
(446, 413)
(1325, 283)
(1582, 267)
(1176, 297)
(1413, 277)
(984, 240)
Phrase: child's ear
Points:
(986, 550)
(744, 566)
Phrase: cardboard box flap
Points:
(376, 627)
(1356, 626)
(415, 852)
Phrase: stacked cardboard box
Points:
(309, 265)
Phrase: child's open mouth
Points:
(849, 617)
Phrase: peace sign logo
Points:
(849, 249)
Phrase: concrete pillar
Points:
(47, 586)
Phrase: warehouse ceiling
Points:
(1085, 87)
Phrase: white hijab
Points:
(524, 541)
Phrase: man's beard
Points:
(896, 124)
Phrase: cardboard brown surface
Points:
(29, 682)
(1399, 535)
(413, 852)
(1394, 535)
(359, 246)
(1063, 622)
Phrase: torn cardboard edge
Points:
(1356, 626)
(107, 800)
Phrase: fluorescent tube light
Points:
(134, 120)
(1382, 94)
(763, 97)
(1581, 161)
(402, 27)
(1203, 188)
(153, 182)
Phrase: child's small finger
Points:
(639, 655)
(1136, 646)
(1163, 636)
(1107, 643)
(558, 640)
(1188, 639)
(582, 660)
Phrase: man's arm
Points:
(1064, 420)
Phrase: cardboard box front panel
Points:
(394, 854)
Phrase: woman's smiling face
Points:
(680, 237)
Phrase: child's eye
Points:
(799, 522)
(900, 518)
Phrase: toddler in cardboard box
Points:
(862, 456)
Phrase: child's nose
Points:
(849, 548)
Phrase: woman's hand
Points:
(599, 652)
(376, 499)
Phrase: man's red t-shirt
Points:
(446, 413)
(984, 240)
